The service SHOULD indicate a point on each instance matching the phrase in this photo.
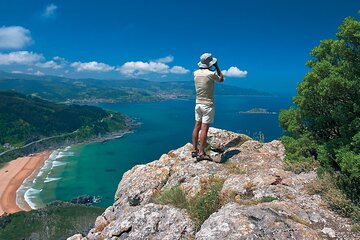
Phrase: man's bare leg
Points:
(203, 137)
(195, 135)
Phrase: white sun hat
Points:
(206, 60)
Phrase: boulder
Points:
(234, 221)
(150, 221)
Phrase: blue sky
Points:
(261, 44)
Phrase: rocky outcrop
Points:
(260, 199)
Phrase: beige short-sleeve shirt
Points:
(204, 85)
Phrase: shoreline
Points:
(13, 175)
(15, 153)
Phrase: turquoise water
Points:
(96, 169)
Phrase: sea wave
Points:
(31, 195)
(64, 154)
(51, 179)
(57, 164)
(28, 193)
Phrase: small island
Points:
(257, 111)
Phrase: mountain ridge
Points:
(62, 89)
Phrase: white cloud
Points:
(166, 59)
(20, 57)
(38, 73)
(179, 70)
(59, 59)
(49, 64)
(49, 10)
(14, 37)
(141, 68)
(16, 71)
(234, 72)
(91, 66)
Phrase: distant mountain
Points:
(61, 89)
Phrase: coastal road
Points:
(47, 138)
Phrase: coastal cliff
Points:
(246, 189)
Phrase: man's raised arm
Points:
(219, 73)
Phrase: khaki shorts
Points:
(204, 113)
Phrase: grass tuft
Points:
(355, 228)
(173, 196)
(234, 168)
(200, 207)
(207, 201)
(268, 199)
(301, 166)
(298, 219)
(334, 197)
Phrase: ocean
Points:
(96, 169)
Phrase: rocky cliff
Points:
(256, 199)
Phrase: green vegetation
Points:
(60, 89)
(324, 128)
(334, 197)
(325, 124)
(25, 120)
(268, 199)
(173, 196)
(207, 201)
(355, 227)
(58, 220)
(200, 207)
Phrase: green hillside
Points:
(58, 220)
(26, 119)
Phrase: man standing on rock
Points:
(204, 79)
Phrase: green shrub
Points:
(58, 220)
(302, 166)
(349, 178)
(268, 199)
(300, 149)
(173, 196)
(200, 207)
(207, 201)
(301, 154)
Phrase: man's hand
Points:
(219, 73)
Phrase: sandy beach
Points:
(12, 176)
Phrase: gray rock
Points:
(234, 221)
(76, 237)
(252, 173)
(150, 221)
(139, 184)
(222, 139)
(330, 232)
(228, 223)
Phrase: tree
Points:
(328, 104)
